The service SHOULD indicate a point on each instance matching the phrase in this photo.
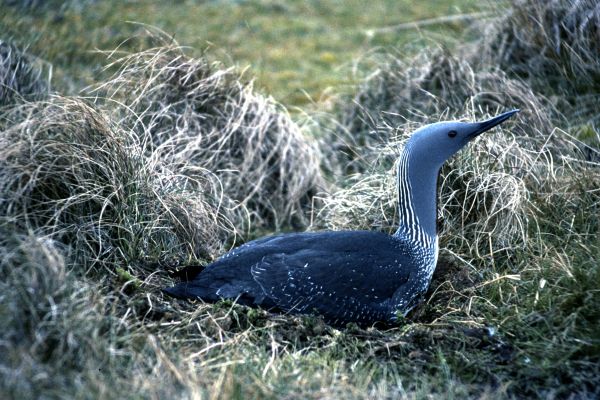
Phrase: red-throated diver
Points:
(348, 276)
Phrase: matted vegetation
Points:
(172, 156)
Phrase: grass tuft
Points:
(553, 45)
(67, 171)
(199, 115)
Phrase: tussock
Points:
(553, 45)
(199, 114)
(22, 76)
(67, 171)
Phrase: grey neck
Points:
(417, 192)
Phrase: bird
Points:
(360, 276)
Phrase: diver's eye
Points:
(451, 133)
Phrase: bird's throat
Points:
(417, 195)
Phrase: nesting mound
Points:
(66, 171)
(21, 75)
(554, 45)
(198, 114)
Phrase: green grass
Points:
(299, 51)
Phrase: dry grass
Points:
(69, 172)
(22, 76)
(202, 115)
(553, 45)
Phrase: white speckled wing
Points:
(349, 290)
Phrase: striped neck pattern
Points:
(417, 186)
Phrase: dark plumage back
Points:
(337, 274)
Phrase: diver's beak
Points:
(481, 127)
